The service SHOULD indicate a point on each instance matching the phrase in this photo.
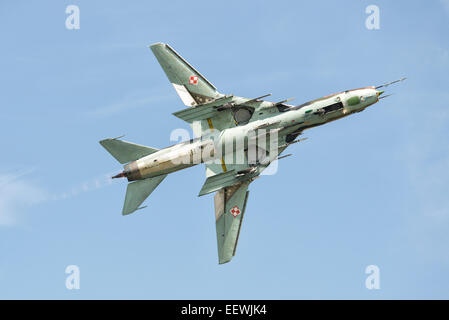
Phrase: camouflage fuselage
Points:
(289, 122)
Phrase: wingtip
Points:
(203, 192)
(157, 44)
(109, 139)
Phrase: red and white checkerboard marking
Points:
(235, 211)
(193, 80)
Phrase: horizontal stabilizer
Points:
(126, 151)
(138, 191)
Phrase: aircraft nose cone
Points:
(380, 92)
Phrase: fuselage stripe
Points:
(209, 121)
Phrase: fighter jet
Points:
(265, 129)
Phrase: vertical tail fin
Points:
(192, 87)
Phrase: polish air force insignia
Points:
(193, 80)
(235, 211)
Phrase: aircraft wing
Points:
(230, 205)
(230, 182)
(210, 108)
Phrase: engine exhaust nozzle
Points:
(120, 175)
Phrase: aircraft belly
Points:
(162, 167)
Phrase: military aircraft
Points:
(218, 121)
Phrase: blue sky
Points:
(370, 189)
